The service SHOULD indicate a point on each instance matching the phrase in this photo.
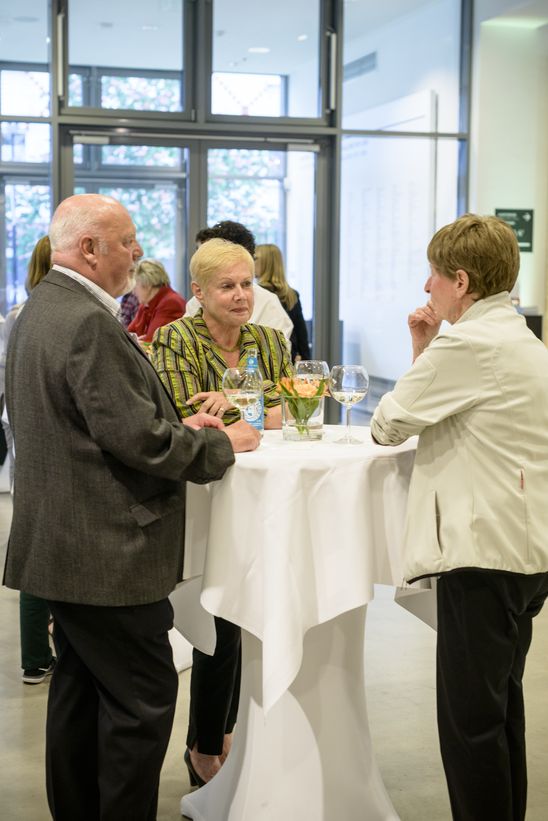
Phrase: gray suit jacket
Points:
(101, 457)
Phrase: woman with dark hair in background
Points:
(270, 273)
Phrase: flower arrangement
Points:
(303, 397)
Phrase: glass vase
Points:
(302, 418)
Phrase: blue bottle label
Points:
(254, 414)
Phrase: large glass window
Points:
(266, 64)
(395, 193)
(24, 55)
(25, 207)
(126, 55)
(401, 65)
(150, 181)
(273, 194)
(25, 142)
(26, 218)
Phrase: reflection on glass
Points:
(260, 95)
(76, 89)
(143, 155)
(248, 185)
(143, 41)
(273, 194)
(28, 213)
(140, 93)
(24, 58)
(268, 63)
(24, 93)
(389, 187)
(25, 142)
(423, 37)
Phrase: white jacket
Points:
(478, 398)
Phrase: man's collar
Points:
(99, 293)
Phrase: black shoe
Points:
(38, 674)
(194, 778)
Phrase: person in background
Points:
(270, 273)
(159, 304)
(477, 396)
(37, 659)
(98, 514)
(129, 305)
(191, 356)
(267, 308)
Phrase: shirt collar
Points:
(106, 299)
(482, 305)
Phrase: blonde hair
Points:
(39, 263)
(214, 256)
(151, 272)
(272, 274)
(485, 247)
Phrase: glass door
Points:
(273, 193)
(150, 180)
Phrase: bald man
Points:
(98, 514)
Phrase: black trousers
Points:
(484, 633)
(215, 690)
(110, 711)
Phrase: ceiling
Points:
(147, 33)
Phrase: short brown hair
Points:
(215, 256)
(485, 247)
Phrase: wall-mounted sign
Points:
(521, 220)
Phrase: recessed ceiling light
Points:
(105, 24)
(149, 28)
(302, 37)
(258, 50)
(25, 19)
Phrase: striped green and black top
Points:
(189, 362)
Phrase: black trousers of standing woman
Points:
(215, 690)
(484, 632)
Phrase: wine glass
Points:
(348, 384)
(242, 387)
(311, 369)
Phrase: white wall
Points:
(509, 129)
(415, 52)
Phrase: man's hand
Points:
(424, 325)
(213, 402)
(203, 420)
(243, 436)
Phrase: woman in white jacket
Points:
(477, 396)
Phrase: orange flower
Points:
(304, 388)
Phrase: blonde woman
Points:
(191, 356)
(270, 273)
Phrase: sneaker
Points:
(38, 674)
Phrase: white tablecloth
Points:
(294, 535)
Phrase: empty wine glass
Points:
(242, 387)
(348, 384)
(310, 369)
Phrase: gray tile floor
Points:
(400, 669)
